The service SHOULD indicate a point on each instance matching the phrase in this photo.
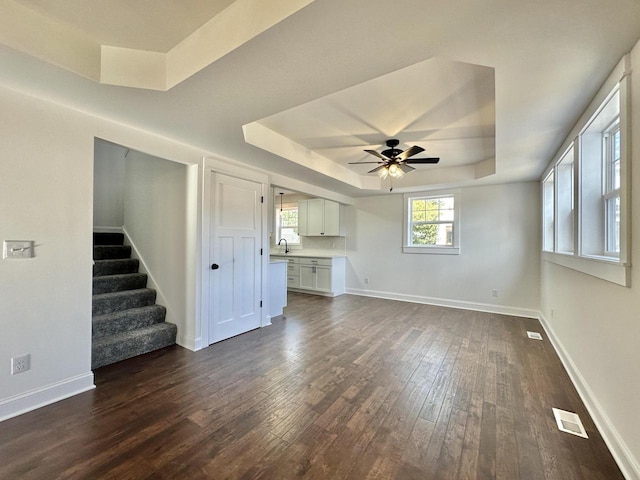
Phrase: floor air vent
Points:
(569, 422)
(534, 335)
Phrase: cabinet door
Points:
(323, 279)
(307, 276)
(303, 217)
(315, 217)
(331, 218)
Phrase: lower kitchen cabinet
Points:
(317, 275)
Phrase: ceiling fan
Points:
(395, 162)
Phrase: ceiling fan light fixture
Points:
(395, 171)
(383, 172)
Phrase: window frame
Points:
(408, 247)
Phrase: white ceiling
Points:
(153, 25)
(546, 60)
(445, 107)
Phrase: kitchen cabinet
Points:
(317, 275)
(292, 271)
(277, 287)
(319, 217)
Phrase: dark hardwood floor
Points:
(350, 387)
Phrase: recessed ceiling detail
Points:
(445, 107)
(107, 43)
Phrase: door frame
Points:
(227, 167)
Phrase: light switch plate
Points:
(18, 249)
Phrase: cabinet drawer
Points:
(293, 281)
(293, 269)
(291, 260)
(325, 262)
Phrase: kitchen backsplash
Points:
(317, 245)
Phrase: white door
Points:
(235, 241)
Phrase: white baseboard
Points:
(627, 463)
(40, 397)
(443, 302)
(190, 343)
(98, 229)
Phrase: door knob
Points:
(215, 266)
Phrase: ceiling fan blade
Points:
(358, 163)
(409, 152)
(378, 154)
(405, 168)
(376, 169)
(422, 160)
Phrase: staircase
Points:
(126, 320)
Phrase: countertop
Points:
(307, 255)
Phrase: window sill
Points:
(432, 250)
(604, 268)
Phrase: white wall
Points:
(596, 325)
(500, 245)
(108, 185)
(156, 221)
(46, 195)
(46, 176)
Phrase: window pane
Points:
(616, 160)
(548, 213)
(564, 198)
(418, 205)
(289, 217)
(419, 216)
(446, 215)
(612, 214)
(446, 202)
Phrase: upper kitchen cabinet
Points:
(319, 217)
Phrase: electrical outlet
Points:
(366, 281)
(494, 292)
(20, 364)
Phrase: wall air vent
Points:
(569, 422)
(534, 335)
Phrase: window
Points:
(600, 182)
(431, 223)
(287, 224)
(584, 198)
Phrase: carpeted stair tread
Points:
(108, 238)
(126, 320)
(113, 302)
(107, 252)
(115, 266)
(114, 348)
(119, 283)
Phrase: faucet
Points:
(286, 244)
